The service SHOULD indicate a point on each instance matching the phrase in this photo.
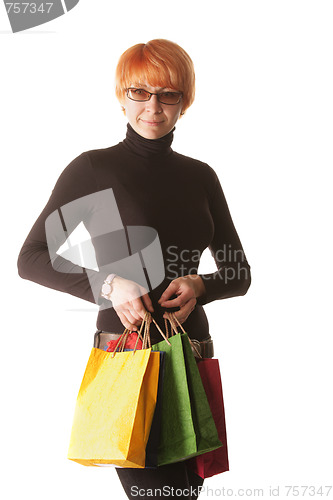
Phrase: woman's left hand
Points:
(188, 289)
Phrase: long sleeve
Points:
(126, 196)
(36, 262)
(233, 276)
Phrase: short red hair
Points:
(161, 63)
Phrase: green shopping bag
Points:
(203, 421)
(187, 425)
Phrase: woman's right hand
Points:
(130, 301)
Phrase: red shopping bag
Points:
(216, 461)
(130, 341)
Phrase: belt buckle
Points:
(197, 346)
(102, 338)
(205, 348)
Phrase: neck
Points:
(148, 148)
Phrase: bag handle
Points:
(166, 328)
(148, 319)
(145, 337)
(173, 320)
(143, 324)
(146, 333)
(161, 332)
(123, 339)
(121, 342)
(148, 323)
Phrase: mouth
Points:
(152, 122)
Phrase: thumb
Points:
(168, 292)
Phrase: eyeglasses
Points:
(143, 95)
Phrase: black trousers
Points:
(145, 484)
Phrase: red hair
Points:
(161, 63)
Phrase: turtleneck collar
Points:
(148, 148)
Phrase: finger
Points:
(173, 303)
(138, 306)
(168, 292)
(127, 309)
(179, 301)
(147, 302)
(128, 320)
(131, 318)
(127, 324)
(135, 315)
(184, 311)
(180, 316)
(184, 295)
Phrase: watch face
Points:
(106, 289)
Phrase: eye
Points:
(139, 92)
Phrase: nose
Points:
(154, 105)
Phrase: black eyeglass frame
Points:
(154, 93)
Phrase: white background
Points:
(263, 120)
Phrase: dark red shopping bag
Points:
(216, 461)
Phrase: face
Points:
(152, 119)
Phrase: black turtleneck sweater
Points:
(145, 207)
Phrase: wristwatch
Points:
(107, 286)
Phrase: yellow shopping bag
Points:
(115, 408)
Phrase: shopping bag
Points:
(179, 426)
(131, 341)
(114, 408)
(216, 461)
(154, 435)
(204, 424)
(155, 430)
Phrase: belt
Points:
(204, 347)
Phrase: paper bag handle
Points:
(173, 320)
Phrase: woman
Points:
(150, 213)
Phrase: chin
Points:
(151, 134)
(154, 136)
